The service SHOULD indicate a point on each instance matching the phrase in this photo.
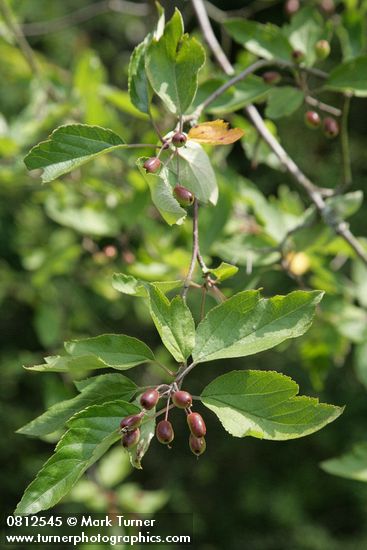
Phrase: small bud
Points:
(110, 251)
(182, 399)
(149, 399)
(179, 139)
(131, 422)
(327, 6)
(196, 424)
(291, 7)
(164, 432)
(312, 119)
(130, 439)
(183, 195)
(152, 165)
(197, 445)
(322, 49)
(298, 56)
(271, 77)
(330, 127)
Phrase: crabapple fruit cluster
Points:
(330, 126)
(130, 425)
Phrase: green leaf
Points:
(127, 284)
(69, 147)
(172, 63)
(346, 205)
(349, 77)
(264, 404)
(224, 271)
(174, 323)
(252, 89)
(99, 390)
(265, 41)
(161, 189)
(255, 148)
(76, 366)
(147, 431)
(305, 29)
(91, 433)
(283, 102)
(360, 362)
(87, 219)
(115, 350)
(244, 324)
(352, 465)
(352, 33)
(139, 88)
(196, 172)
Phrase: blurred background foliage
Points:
(60, 244)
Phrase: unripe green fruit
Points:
(197, 445)
(179, 139)
(312, 119)
(196, 424)
(131, 422)
(182, 399)
(130, 439)
(291, 7)
(298, 56)
(322, 49)
(330, 127)
(272, 77)
(149, 399)
(183, 195)
(164, 432)
(152, 165)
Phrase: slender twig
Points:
(84, 14)
(16, 30)
(259, 64)
(166, 369)
(202, 303)
(344, 140)
(220, 16)
(323, 106)
(185, 371)
(216, 48)
(163, 411)
(195, 246)
(315, 193)
(141, 145)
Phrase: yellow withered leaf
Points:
(215, 132)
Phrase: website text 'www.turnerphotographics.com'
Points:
(113, 529)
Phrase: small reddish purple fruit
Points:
(179, 139)
(271, 77)
(196, 424)
(152, 165)
(298, 56)
(130, 439)
(291, 7)
(182, 399)
(149, 399)
(330, 127)
(312, 119)
(183, 195)
(197, 445)
(131, 422)
(327, 6)
(164, 432)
